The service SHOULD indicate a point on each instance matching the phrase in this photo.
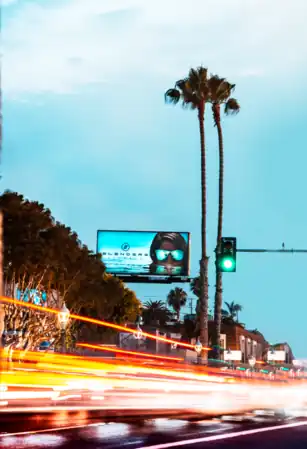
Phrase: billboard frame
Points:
(150, 279)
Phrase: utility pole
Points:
(191, 305)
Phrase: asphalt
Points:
(164, 434)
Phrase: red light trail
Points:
(123, 351)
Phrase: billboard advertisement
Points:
(145, 253)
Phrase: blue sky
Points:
(86, 131)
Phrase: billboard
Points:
(145, 253)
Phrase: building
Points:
(280, 353)
(235, 337)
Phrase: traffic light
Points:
(227, 255)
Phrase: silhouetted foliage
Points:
(37, 246)
(176, 299)
(156, 313)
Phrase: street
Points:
(164, 434)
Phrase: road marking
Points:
(224, 436)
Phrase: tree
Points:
(193, 92)
(220, 94)
(156, 313)
(233, 310)
(27, 328)
(39, 248)
(176, 299)
(127, 309)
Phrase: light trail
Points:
(123, 351)
(225, 436)
(53, 429)
(98, 322)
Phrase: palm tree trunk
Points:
(1, 279)
(1, 304)
(218, 300)
(1, 248)
(204, 258)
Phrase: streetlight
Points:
(138, 336)
(198, 347)
(63, 317)
(139, 333)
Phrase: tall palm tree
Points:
(220, 94)
(1, 246)
(176, 299)
(193, 92)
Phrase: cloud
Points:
(8, 2)
(63, 46)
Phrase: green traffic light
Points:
(228, 264)
(226, 255)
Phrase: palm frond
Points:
(202, 73)
(193, 79)
(238, 307)
(190, 101)
(172, 96)
(192, 90)
(181, 84)
(232, 107)
(214, 85)
(198, 83)
(224, 312)
(220, 89)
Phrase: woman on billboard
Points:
(170, 254)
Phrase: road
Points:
(165, 434)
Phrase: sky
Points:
(86, 132)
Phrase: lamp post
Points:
(252, 362)
(63, 317)
(198, 347)
(138, 335)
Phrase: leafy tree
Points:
(156, 313)
(37, 247)
(193, 92)
(176, 299)
(27, 328)
(220, 94)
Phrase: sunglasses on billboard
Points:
(162, 255)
